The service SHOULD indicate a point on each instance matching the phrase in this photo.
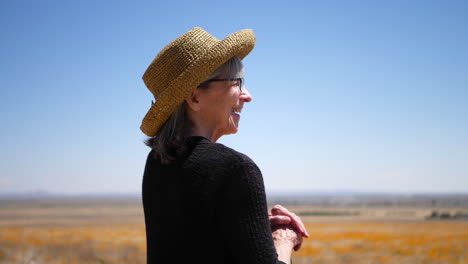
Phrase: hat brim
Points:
(238, 44)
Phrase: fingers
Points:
(288, 233)
(297, 247)
(279, 220)
(299, 243)
(295, 220)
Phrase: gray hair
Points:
(233, 68)
(168, 144)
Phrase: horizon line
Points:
(103, 194)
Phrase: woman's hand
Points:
(286, 234)
(285, 238)
(279, 220)
(282, 216)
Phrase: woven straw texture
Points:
(182, 65)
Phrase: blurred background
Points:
(347, 96)
(356, 105)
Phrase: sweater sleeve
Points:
(243, 213)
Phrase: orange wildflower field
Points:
(386, 242)
(113, 232)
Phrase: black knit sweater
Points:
(209, 207)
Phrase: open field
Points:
(112, 231)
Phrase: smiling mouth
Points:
(237, 110)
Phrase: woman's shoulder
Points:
(219, 153)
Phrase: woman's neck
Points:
(203, 127)
(205, 132)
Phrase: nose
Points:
(245, 96)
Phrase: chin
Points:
(232, 131)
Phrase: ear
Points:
(193, 100)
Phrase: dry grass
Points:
(113, 232)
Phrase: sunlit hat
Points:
(185, 63)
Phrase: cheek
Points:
(221, 106)
(226, 105)
(219, 111)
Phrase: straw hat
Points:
(185, 63)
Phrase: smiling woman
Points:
(205, 202)
(214, 110)
(210, 102)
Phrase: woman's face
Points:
(221, 105)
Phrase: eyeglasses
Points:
(240, 80)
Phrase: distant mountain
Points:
(319, 198)
(369, 199)
(40, 195)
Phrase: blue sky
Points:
(347, 95)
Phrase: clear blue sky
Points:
(347, 95)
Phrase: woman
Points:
(204, 202)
